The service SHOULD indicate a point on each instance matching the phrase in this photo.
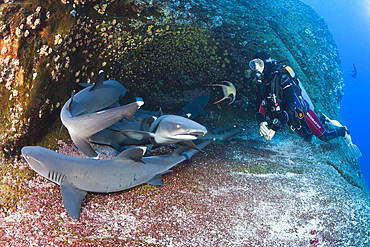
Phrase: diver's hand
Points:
(266, 132)
(263, 129)
(270, 135)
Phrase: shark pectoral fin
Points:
(137, 134)
(135, 154)
(99, 82)
(84, 146)
(72, 199)
(202, 113)
(157, 179)
(118, 147)
(190, 144)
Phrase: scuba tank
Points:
(299, 84)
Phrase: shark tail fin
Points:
(60, 131)
(132, 107)
(228, 135)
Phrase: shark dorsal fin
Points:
(160, 112)
(135, 154)
(70, 105)
(99, 82)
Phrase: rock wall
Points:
(162, 51)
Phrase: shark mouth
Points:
(191, 136)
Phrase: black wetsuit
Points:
(284, 96)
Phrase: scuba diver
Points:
(282, 100)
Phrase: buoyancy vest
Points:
(275, 99)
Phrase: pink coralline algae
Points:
(212, 201)
(314, 241)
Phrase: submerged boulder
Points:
(164, 52)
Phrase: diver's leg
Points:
(314, 123)
(334, 133)
(318, 129)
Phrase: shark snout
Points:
(29, 153)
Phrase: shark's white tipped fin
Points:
(99, 82)
(139, 101)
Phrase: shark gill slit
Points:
(56, 177)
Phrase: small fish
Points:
(354, 72)
(229, 91)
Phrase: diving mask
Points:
(257, 65)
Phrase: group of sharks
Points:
(95, 114)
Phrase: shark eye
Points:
(178, 126)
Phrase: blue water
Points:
(349, 22)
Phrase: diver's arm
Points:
(260, 115)
(287, 116)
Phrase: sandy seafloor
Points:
(246, 192)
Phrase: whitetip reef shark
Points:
(196, 107)
(169, 129)
(112, 135)
(78, 176)
(98, 96)
(80, 128)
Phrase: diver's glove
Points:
(266, 132)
